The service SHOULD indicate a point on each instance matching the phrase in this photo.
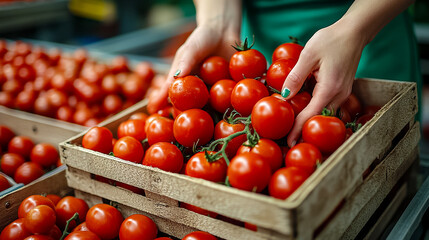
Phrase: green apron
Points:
(391, 55)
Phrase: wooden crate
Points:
(39, 129)
(334, 201)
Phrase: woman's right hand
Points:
(218, 28)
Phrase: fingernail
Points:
(177, 72)
(285, 92)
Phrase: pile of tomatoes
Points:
(69, 87)
(228, 125)
(51, 217)
(22, 159)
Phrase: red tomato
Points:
(285, 181)
(98, 139)
(245, 95)
(272, 117)
(139, 115)
(38, 237)
(224, 129)
(6, 99)
(65, 113)
(165, 156)
(43, 107)
(160, 130)
(28, 172)
(138, 226)
(213, 69)
(324, 132)
(24, 101)
(12, 86)
(193, 126)
(82, 236)
(188, 92)
(344, 115)
(129, 148)
(364, 118)
(249, 172)
(88, 92)
(82, 115)
(251, 226)
(119, 64)
(304, 156)
(55, 233)
(287, 50)
(278, 71)
(149, 119)
(104, 220)
(109, 85)
(44, 154)
(81, 227)
(15, 231)
(199, 166)
(134, 128)
(198, 210)
(145, 71)
(67, 207)
(300, 101)
(21, 145)
(4, 183)
(54, 198)
(134, 87)
(199, 235)
(9, 162)
(267, 150)
(247, 63)
(41, 219)
(61, 83)
(163, 238)
(31, 202)
(352, 105)
(130, 187)
(57, 98)
(371, 109)
(112, 104)
(220, 95)
(6, 134)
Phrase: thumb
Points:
(295, 79)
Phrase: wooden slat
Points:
(359, 207)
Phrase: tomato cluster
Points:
(230, 126)
(70, 218)
(69, 87)
(22, 159)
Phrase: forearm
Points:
(223, 14)
(367, 17)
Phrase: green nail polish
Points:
(285, 92)
(177, 73)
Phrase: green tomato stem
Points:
(74, 217)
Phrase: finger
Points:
(321, 97)
(295, 79)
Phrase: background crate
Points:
(39, 129)
(335, 201)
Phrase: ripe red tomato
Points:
(39, 237)
(199, 166)
(285, 181)
(4, 183)
(110, 85)
(57, 98)
(15, 230)
(28, 172)
(6, 99)
(65, 113)
(138, 226)
(325, 132)
(163, 238)
(193, 126)
(278, 71)
(352, 106)
(41, 219)
(134, 87)
(139, 115)
(300, 101)
(344, 115)
(220, 95)
(98, 139)
(82, 236)
(198, 210)
(165, 156)
(31, 202)
(224, 129)
(129, 148)
(304, 156)
(145, 71)
(24, 101)
(287, 50)
(132, 127)
(364, 118)
(249, 172)
(104, 220)
(267, 150)
(199, 235)
(160, 130)
(247, 63)
(188, 92)
(54, 198)
(112, 104)
(43, 107)
(88, 92)
(245, 95)
(272, 117)
(6, 134)
(81, 227)
(9, 162)
(372, 109)
(44, 154)
(21, 145)
(251, 226)
(213, 69)
(67, 207)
